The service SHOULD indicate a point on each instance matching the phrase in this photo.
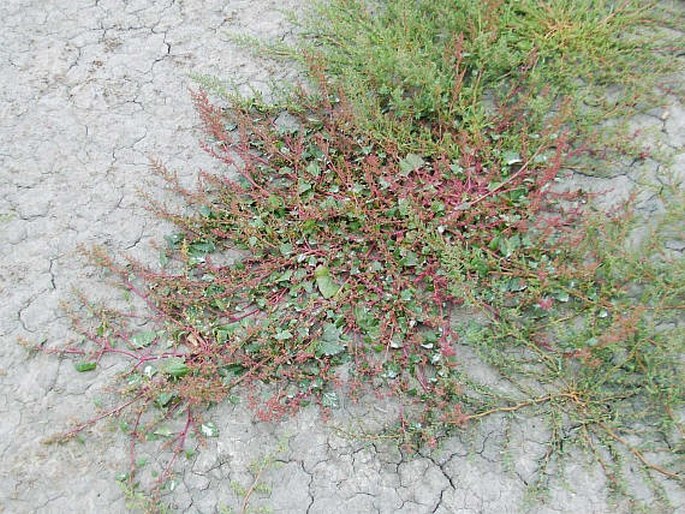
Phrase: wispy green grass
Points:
(414, 70)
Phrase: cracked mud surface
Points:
(89, 91)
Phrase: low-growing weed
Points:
(402, 212)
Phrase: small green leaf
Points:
(516, 285)
(392, 370)
(175, 367)
(328, 349)
(174, 240)
(410, 260)
(327, 287)
(229, 372)
(508, 246)
(163, 399)
(285, 276)
(205, 211)
(510, 157)
(411, 162)
(143, 339)
(438, 207)
(375, 266)
(283, 335)
(163, 432)
(303, 186)
(330, 342)
(431, 337)
(82, 367)
(200, 249)
(330, 399)
(275, 202)
(561, 296)
(313, 169)
(404, 207)
(209, 429)
(286, 249)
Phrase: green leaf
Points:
(510, 157)
(143, 339)
(83, 366)
(174, 240)
(313, 169)
(330, 399)
(392, 370)
(303, 186)
(561, 296)
(163, 432)
(205, 211)
(285, 277)
(175, 367)
(201, 248)
(375, 266)
(286, 249)
(410, 259)
(508, 246)
(403, 206)
(327, 287)
(229, 372)
(331, 341)
(209, 429)
(406, 295)
(163, 399)
(516, 285)
(328, 349)
(283, 335)
(411, 162)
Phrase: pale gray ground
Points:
(89, 90)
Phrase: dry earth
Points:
(89, 91)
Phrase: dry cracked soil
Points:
(90, 90)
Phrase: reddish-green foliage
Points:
(322, 261)
(342, 279)
(344, 252)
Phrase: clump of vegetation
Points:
(403, 210)
(416, 71)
